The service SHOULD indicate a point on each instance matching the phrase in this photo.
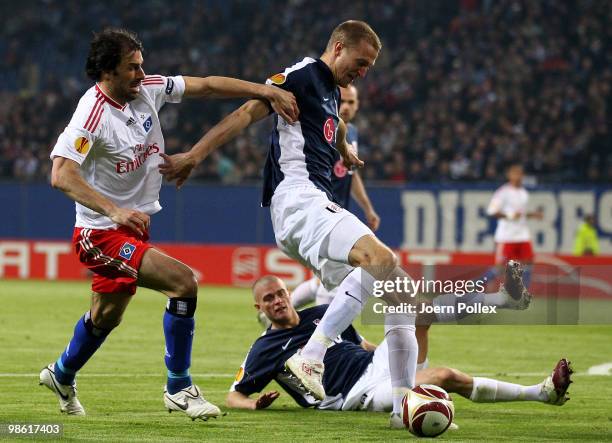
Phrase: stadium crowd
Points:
(461, 87)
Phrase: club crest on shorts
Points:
(332, 207)
(127, 250)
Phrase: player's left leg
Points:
(376, 262)
(553, 390)
(176, 280)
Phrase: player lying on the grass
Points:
(357, 372)
(512, 294)
(106, 161)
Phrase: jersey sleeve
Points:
(287, 81)
(163, 89)
(82, 133)
(254, 374)
(497, 202)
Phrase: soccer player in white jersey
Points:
(512, 237)
(308, 226)
(106, 161)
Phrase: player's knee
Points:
(102, 322)
(187, 285)
(446, 378)
(379, 258)
(386, 259)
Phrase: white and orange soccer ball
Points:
(427, 411)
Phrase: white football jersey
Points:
(510, 201)
(118, 146)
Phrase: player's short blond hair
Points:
(351, 32)
(263, 280)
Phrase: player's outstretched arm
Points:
(238, 400)
(346, 150)
(66, 176)
(179, 166)
(359, 193)
(283, 102)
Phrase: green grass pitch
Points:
(121, 387)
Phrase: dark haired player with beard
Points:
(106, 161)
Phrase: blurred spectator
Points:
(587, 242)
(461, 87)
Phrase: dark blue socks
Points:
(178, 329)
(84, 343)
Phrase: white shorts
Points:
(372, 392)
(316, 232)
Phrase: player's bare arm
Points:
(66, 176)
(238, 400)
(283, 102)
(538, 214)
(346, 150)
(368, 346)
(360, 195)
(179, 166)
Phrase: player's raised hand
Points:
(283, 103)
(266, 399)
(177, 167)
(137, 221)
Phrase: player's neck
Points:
(290, 323)
(327, 59)
(109, 91)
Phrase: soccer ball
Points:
(427, 411)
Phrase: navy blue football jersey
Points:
(345, 361)
(304, 153)
(342, 176)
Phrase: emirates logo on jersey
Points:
(141, 154)
(329, 129)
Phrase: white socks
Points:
(304, 293)
(345, 306)
(403, 353)
(487, 390)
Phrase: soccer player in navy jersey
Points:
(308, 226)
(356, 372)
(346, 183)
